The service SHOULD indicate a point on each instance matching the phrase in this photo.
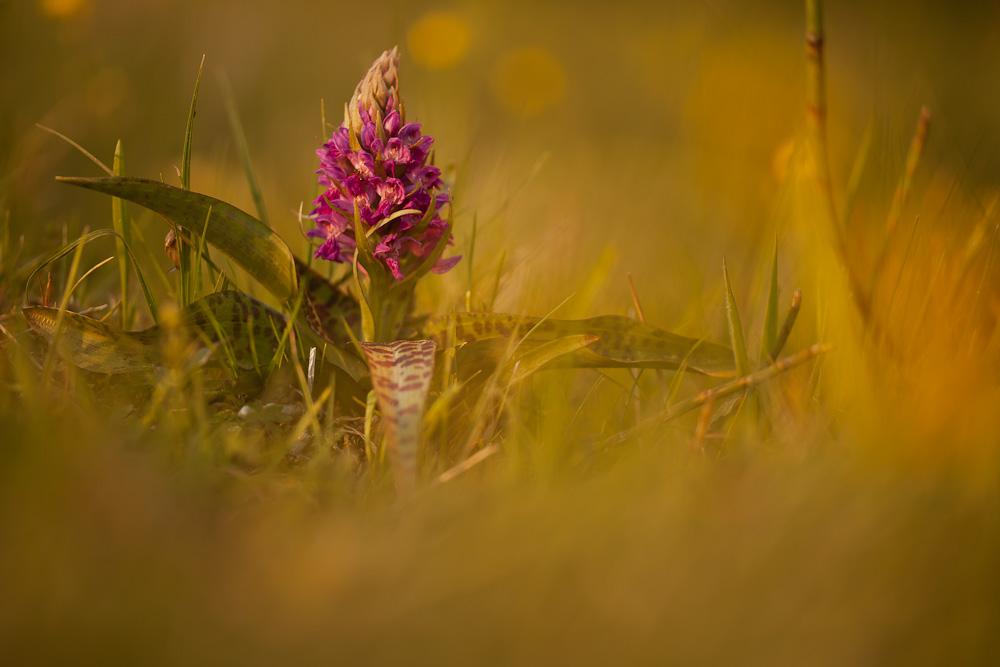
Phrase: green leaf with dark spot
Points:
(622, 342)
(246, 327)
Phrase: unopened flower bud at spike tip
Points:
(377, 95)
(378, 169)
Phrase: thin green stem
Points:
(816, 119)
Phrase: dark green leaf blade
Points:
(246, 240)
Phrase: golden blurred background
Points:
(660, 131)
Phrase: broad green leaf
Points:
(736, 336)
(246, 240)
(401, 374)
(622, 342)
(246, 326)
(770, 334)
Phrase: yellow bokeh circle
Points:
(438, 39)
(62, 9)
(528, 80)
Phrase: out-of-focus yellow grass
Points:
(859, 528)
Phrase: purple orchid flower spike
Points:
(379, 163)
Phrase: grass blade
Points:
(786, 327)
(857, 172)
(77, 147)
(184, 249)
(68, 248)
(816, 122)
(745, 382)
(729, 388)
(902, 193)
(189, 132)
(912, 162)
(244, 150)
(540, 356)
(770, 333)
(60, 313)
(123, 227)
(736, 336)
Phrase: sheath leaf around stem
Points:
(401, 374)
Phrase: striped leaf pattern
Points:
(401, 374)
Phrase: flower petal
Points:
(445, 264)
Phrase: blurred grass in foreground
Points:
(862, 528)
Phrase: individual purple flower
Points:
(379, 164)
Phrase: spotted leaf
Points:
(248, 329)
(621, 342)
